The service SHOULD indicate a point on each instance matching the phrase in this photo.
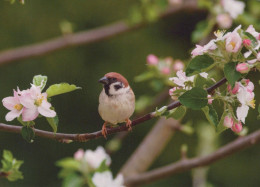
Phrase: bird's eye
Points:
(117, 86)
(114, 79)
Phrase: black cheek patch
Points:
(117, 86)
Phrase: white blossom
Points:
(233, 7)
(95, 158)
(105, 179)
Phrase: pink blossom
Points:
(247, 42)
(224, 21)
(233, 41)
(14, 105)
(252, 31)
(178, 65)
(228, 122)
(210, 99)
(237, 127)
(35, 103)
(79, 154)
(172, 90)
(152, 59)
(234, 90)
(199, 50)
(243, 68)
(165, 71)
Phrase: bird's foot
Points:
(129, 124)
(104, 130)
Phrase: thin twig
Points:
(84, 37)
(187, 164)
(87, 136)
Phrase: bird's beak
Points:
(103, 80)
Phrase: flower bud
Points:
(237, 127)
(79, 154)
(224, 21)
(243, 68)
(165, 71)
(152, 59)
(210, 100)
(234, 90)
(171, 91)
(228, 122)
(247, 42)
(178, 65)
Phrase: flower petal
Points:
(12, 114)
(10, 102)
(242, 112)
(45, 110)
(27, 101)
(30, 114)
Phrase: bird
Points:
(116, 101)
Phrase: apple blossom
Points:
(224, 21)
(105, 179)
(152, 59)
(210, 99)
(200, 50)
(228, 121)
(233, 41)
(243, 68)
(14, 105)
(182, 79)
(233, 7)
(252, 31)
(237, 127)
(35, 103)
(95, 158)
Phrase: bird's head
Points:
(114, 84)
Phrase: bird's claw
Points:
(104, 130)
(129, 124)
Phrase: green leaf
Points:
(198, 64)
(103, 167)
(28, 134)
(15, 175)
(160, 111)
(73, 180)
(69, 163)
(249, 36)
(221, 127)
(211, 115)
(231, 73)
(177, 113)
(40, 80)
(7, 155)
(53, 122)
(61, 88)
(196, 98)
(201, 82)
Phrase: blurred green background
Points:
(39, 20)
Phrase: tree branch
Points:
(84, 37)
(98, 134)
(187, 164)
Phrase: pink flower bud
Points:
(210, 100)
(166, 71)
(224, 21)
(243, 68)
(237, 127)
(79, 154)
(228, 122)
(259, 36)
(171, 91)
(247, 42)
(178, 65)
(234, 90)
(152, 59)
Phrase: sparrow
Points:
(116, 101)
